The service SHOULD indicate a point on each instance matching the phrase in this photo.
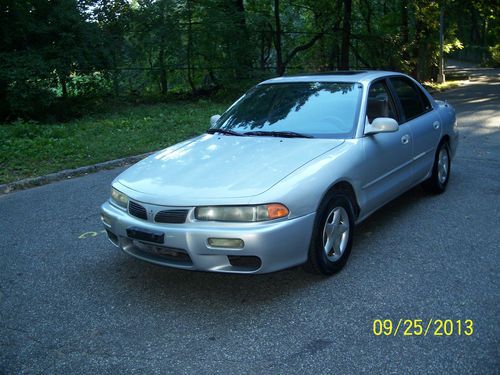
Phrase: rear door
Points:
(424, 122)
(388, 156)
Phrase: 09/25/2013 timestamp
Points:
(421, 327)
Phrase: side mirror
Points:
(214, 119)
(381, 125)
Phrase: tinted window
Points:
(424, 99)
(380, 103)
(321, 109)
(410, 97)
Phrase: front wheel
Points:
(332, 235)
(438, 181)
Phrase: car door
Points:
(423, 121)
(387, 171)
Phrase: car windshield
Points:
(318, 109)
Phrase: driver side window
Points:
(380, 103)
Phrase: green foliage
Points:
(58, 57)
(67, 59)
(453, 45)
(42, 44)
(495, 55)
(27, 98)
(30, 149)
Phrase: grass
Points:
(451, 84)
(30, 149)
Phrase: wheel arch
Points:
(344, 186)
(444, 139)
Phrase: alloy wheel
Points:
(336, 233)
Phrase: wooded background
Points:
(60, 57)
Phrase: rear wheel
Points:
(332, 234)
(438, 181)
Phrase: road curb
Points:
(68, 173)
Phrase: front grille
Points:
(171, 216)
(161, 253)
(167, 253)
(135, 209)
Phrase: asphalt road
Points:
(72, 303)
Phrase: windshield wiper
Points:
(224, 131)
(284, 134)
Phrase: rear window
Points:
(410, 97)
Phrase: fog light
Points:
(232, 243)
(106, 220)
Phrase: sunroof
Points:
(334, 73)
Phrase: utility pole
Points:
(441, 77)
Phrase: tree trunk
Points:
(114, 77)
(64, 86)
(280, 68)
(163, 72)
(368, 16)
(262, 59)
(333, 58)
(346, 36)
(405, 35)
(161, 52)
(242, 56)
(190, 68)
(265, 49)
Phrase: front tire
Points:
(436, 184)
(333, 231)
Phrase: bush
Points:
(28, 100)
(495, 55)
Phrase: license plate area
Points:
(147, 235)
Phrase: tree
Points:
(155, 38)
(112, 18)
(52, 52)
(283, 61)
(42, 44)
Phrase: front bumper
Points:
(268, 246)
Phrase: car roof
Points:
(362, 76)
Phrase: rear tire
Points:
(436, 184)
(333, 231)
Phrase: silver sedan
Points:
(284, 175)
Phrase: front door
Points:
(388, 156)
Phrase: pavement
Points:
(457, 68)
(72, 303)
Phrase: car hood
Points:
(218, 167)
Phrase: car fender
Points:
(448, 118)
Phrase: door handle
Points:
(435, 125)
(405, 139)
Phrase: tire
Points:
(436, 184)
(333, 231)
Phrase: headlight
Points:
(119, 198)
(242, 213)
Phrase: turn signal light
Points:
(276, 210)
